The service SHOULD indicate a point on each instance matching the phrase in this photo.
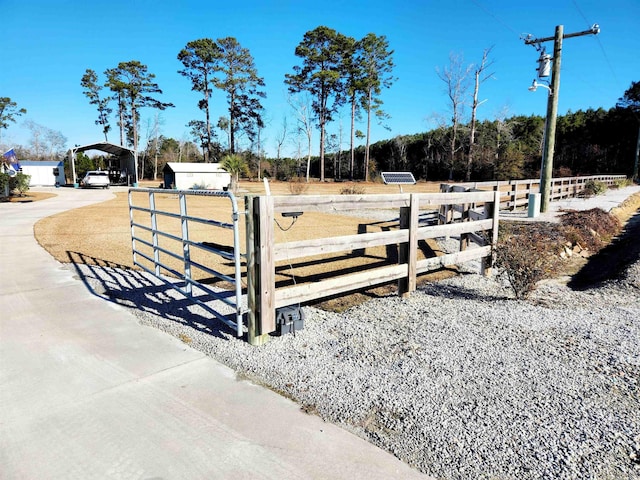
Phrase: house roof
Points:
(186, 167)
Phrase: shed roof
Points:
(188, 167)
(40, 163)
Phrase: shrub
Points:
(199, 186)
(526, 257)
(622, 183)
(592, 229)
(352, 189)
(530, 252)
(593, 188)
(298, 186)
(4, 182)
(20, 183)
(564, 172)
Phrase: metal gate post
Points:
(185, 243)
(154, 232)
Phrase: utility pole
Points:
(552, 105)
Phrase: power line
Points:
(575, 4)
(495, 17)
(604, 53)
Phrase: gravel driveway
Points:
(459, 380)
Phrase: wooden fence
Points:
(478, 223)
(515, 193)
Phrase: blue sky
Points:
(47, 45)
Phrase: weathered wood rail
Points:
(515, 193)
(478, 224)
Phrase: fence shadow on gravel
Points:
(135, 290)
(459, 293)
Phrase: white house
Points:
(43, 173)
(201, 176)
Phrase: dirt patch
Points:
(28, 197)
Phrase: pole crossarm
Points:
(594, 30)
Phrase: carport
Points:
(127, 161)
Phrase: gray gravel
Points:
(459, 380)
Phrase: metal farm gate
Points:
(187, 242)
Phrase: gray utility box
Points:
(289, 320)
(534, 205)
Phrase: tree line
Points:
(508, 147)
(587, 142)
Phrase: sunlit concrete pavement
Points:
(86, 392)
(610, 199)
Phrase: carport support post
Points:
(260, 269)
(72, 157)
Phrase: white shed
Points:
(196, 176)
(43, 173)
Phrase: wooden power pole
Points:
(552, 105)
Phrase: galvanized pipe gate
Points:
(159, 249)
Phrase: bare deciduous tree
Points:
(480, 77)
(45, 142)
(301, 106)
(456, 78)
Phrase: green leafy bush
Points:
(20, 183)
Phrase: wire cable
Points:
(488, 12)
(604, 53)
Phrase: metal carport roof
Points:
(128, 154)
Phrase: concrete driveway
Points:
(86, 392)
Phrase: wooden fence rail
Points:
(479, 224)
(515, 193)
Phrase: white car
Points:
(95, 178)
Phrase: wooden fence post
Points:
(260, 269)
(408, 252)
(464, 237)
(493, 211)
(514, 195)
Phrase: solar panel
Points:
(398, 178)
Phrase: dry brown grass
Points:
(100, 234)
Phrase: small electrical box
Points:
(289, 320)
